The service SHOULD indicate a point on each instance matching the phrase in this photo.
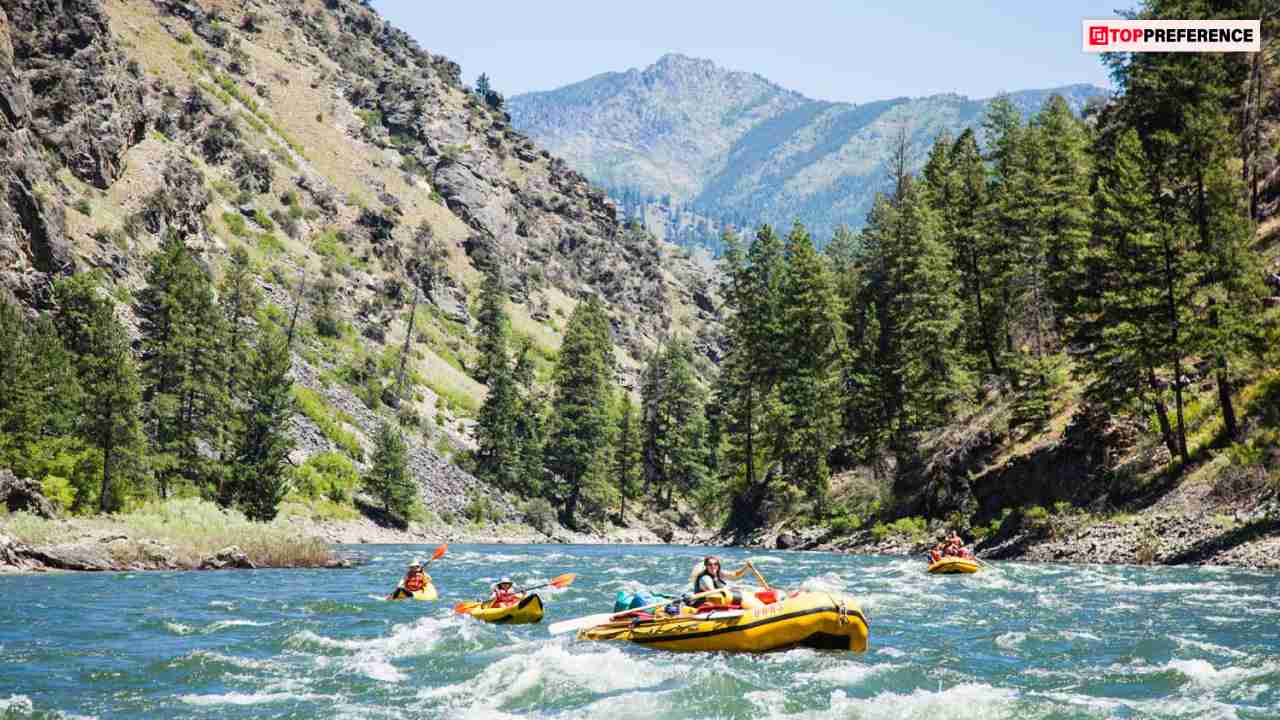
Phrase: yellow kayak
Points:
(819, 620)
(426, 593)
(953, 565)
(525, 612)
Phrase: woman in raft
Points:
(707, 576)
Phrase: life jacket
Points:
(934, 555)
(415, 583)
(502, 598)
(716, 582)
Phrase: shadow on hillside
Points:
(1209, 547)
(380, 517)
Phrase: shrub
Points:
(911, 528)
(479, 509)
(84, 207)
(329, 475)
(59, 491)
(540, 515)
(236, 224)
(263, 220)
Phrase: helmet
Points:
(504, 581)
(415, 565)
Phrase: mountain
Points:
(334, 149)
(731, 145)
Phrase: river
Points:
(1020, 641)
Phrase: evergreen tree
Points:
(183, 365)
(530, 425)
(494, 330)
(1065, 208)
(579, 409)
(110, 415)
(626, 458)
(1129, 331)
(812, 346)
(388, 477)
(261, 445)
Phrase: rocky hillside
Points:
(737, 147)
(349, 162)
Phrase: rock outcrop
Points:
(21, 495)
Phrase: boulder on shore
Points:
(788, 541)
(22, 495)
(227, 558)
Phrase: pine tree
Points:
(626, 458)
(497, 449)
(183, 365)
(388, 477)
(110, 419)
(813, 346)
(530, 425)
(261, 445)
(1129, 331)
(494, 329)
(579, 409)
(1066, 206)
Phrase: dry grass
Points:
(190, 529)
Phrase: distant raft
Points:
(953, 566)
(819, 620)
(525, 612)
(426, 593)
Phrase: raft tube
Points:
(525, 612)
(819, 620)
(954, 565)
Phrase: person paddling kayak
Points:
(502, 594)
(415, 580)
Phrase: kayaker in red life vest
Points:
(415, 580)
(955, 548)
(937, 552)
(502, 594)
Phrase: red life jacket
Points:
(415, 583)
(502, 598)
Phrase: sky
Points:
(839, 50)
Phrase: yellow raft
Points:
(954, 565)
(426, 593)
(525, 612)
(824, 621)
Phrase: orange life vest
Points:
(415, 583)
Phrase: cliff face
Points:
(326, 143)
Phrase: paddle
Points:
(565, 626)
(439, 553)
(560, 581)
(759, 577)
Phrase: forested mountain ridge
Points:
(322, 176)
(734, 147)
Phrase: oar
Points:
(561, 581)
(439, 553)
(565, 626)
(759, 577)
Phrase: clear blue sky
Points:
(827, 49)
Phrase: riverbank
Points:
(191, 534)
(1187, 526)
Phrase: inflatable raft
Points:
(525, 612)
(954, 565)
(824, 621)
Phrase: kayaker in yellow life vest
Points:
(415, 580)
(708, 575)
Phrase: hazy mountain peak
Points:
(733, 145)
